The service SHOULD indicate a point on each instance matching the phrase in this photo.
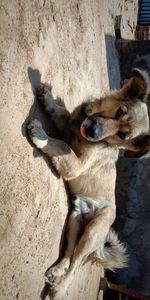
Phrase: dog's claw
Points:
(44, 96)
(50, 280)
(40, 93)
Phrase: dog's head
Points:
(121, 117)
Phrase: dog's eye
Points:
(121, 135)
(121, 111)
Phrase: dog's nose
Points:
(93, 131)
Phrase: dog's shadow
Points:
(37, 113)
(48, 125)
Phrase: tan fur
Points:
(88, 165)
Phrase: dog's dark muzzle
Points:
(98, 128)
(93, 130)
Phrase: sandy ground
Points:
(70, 45)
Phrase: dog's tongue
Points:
(82, 130)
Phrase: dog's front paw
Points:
(37, 134)
(45, 98)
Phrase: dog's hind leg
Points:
(95, 233)
(57, 112)
(73, 230)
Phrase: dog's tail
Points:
(113, 255)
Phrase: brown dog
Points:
(86, 158)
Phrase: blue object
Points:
(144, 12)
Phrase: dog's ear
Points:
(138, 146)
(131, 154)
(137, 87)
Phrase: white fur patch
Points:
(85, 205)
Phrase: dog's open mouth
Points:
(83, 131)
(95, 128)
(90, 130)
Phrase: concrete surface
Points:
(70, 45)
(62, 43)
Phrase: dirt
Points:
(70, 45)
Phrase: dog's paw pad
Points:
(34, 125)
(51, 275)
(40, 93)
(45, 98)
(36, 134)
(50, 279)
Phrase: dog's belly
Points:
(95, 183)
(87, 207)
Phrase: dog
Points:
(85, 157)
